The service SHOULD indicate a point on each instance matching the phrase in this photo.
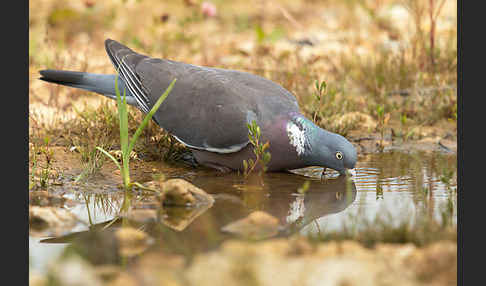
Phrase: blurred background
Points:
(378, 57)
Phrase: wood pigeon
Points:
(209, 108)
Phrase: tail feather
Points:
(100, 83)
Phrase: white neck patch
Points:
(297, 137)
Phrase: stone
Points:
(178, 192)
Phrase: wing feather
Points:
(118, 55)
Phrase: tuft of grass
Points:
(41, 173)
(404, 133)
(44, 177)
(34, 168)
(126, 145)
(319, 96)
(93, 128)
(383, 119)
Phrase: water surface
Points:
(402, 185)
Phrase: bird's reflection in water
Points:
(188, 232)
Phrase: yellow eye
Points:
(339, 155)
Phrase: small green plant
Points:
(92, 162)
(91, 128)
(44, 176)
(321, 90)
(403, 119)
(263, 37)
(42, 173)
(382, 122)
(34, 169)
(405, 133)
(262, 157)
(45, 169)
(126, 145)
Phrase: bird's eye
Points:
(339, 155)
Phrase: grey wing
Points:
(279, 96)
(204, 109)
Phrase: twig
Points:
(289, 17)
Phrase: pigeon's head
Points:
(319, 147)
(333, 151)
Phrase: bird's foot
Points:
(189, 159)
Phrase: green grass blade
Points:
(124, 139)
(122, 114)
(110, 156)
(149, 116)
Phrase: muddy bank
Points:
(292, 261)
(66, 163)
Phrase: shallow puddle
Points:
(397, 184)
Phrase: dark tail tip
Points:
(60, 76)
(45, 75)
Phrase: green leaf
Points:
(260, 34)
(380, 110)
(403, 119)
(266, 157)
(149, 116)
(322, 87)
(110, 156)
(266, 145)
